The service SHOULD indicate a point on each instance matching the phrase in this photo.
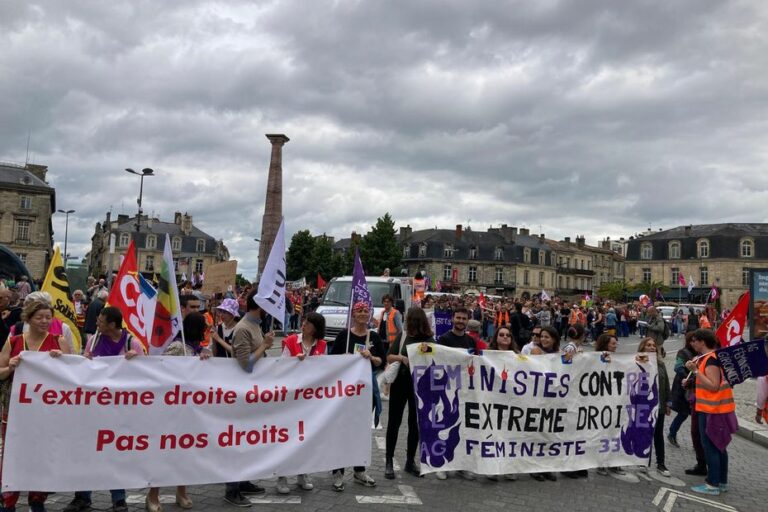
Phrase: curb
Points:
(753, 432)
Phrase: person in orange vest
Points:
(704, 321)
(762, 400)
(577, 317)
(390, 323)
(714, 405)
(501, 317)
(419, 288)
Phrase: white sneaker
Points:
(617, 471)
(364, 478)
(511, 477)
(305, 482)
(602, 471)
(467, 475)
(441, 475)
(338, 482)
(282, 485)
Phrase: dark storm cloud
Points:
(590, 117)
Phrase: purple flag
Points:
(360, 291)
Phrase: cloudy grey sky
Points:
(591, 117)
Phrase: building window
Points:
(125, 239)
(499, 279)
(568, 282)
(646, 251)
(552, 280)
(22, 230)
(473, 253)
(560, 282)
(149, 263)
(675, 276)
(527, 255)
(448, 251)
(703, 246)
(151, 242)
(200, 246)
(498, 254)
(526, 277)
(423, 251)
(472, 274)
(25, 203)
(747, 248)
(541, 278)
(704, 276)
(176, 244)
(646, 275)
(199, 266)
(542, 257)
(674, 250)
(745, 277)
(406, 251)
(175, 264)
(22, 256)
(447, 272)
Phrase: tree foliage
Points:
(614, 290)
(300, 258)
(379, 248)
(649, 288)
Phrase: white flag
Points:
(691, 284)
(271, 294)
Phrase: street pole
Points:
(66, 234)
(144, 172)
(109, 259)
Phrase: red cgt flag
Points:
(320, 282)
(731, 330)
(126, 296)
(481, 300)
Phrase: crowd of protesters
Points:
(233, 325)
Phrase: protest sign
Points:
(158, 421)
(506, 413)
(744, 361)
(219, 276)
(443, 322)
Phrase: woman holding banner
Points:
(190, 345)
(648, 345)
(417, 330)
(549, 343)
(607, 344)
(361, 340)
(715, 408)
(309, 342)
(502, 340)
(38, 314)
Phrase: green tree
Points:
(614, 290)
(379, 248)
(322, 260)
(240, 280)
(649, 288)
(299, 260)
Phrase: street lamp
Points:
(144, 172)
(66, 233)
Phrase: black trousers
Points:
(400, 394)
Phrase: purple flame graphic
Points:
(431, 392)
(637, 436)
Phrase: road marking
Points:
(285, 500)
(407, 497)
(382, 445)
(673, 494)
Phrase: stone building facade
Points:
(193, 250)
(719, 254)
(27, 202)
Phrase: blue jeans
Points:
(117, 495)
(377, 405)
(677, 423)
(717, 461)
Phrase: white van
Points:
(334, 305)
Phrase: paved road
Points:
(652, 492)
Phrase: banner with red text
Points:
(507, 413)
(158, 421)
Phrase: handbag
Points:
(393, 369)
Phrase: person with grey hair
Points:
(94, 309)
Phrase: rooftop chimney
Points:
(177, 218)
(405, 232)
(458, 231)
(542, 237)
(580, 241)
(687, 230)
(525, 231)
(567, 239)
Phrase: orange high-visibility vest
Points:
(502, 318)
(713, 402)
(391, 329)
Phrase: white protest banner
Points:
(505, 413)
(112, 423)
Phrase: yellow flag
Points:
(57, 284)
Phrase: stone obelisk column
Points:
(273, 205)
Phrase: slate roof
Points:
(724, 241)
(12, 174)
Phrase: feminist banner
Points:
(743, 361)
(162, 421)
(506, 413)
(443, 322)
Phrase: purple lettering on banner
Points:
(743, 361)
(438, 412)
(637, 436)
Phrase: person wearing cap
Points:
(228, 313)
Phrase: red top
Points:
(293, 345)
(51, 342)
